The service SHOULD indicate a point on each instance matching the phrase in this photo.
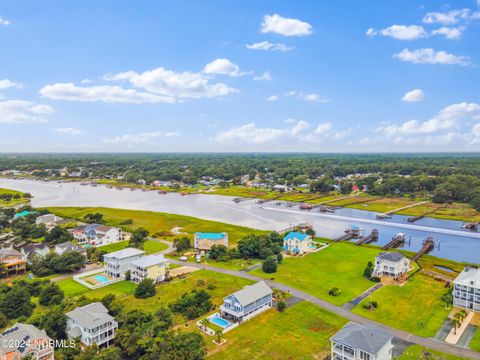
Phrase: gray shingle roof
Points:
(19, 332)
(149, 260)
(124, 253)
(469, 277)
(253, 292)
(391, 256)
(363, 337)
(91, 315)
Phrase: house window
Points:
(364, 355)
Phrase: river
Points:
(452, 242)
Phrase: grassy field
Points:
(12, 202)
(157, 223)
(301, 332)
(150, 246)
(339, 265)
(72, 288)
(475, 343)
(416, 352)
(415, 307)
(221, 285)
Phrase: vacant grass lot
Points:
(72, 288)
(301, 332)
(157, 223)
(416, 352)
(415, 307)
(150, 246)
(475, 343)
(339, 265)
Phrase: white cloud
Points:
(310, 97)
(4, 22)
(448, 118)
(272, 98)
(450, 17)
(250, 133)
(323, 128)
(414, 96)
(142, 138)
(451, 33)
(5, 84)
(176, 85)
(106, 93)
(299, 127)
(264, 77)
(430, 56)
(67, 131)
(400, 32)
(86, 81)
(285, 26)
(223, 67)
(268, 46)
(23, 112)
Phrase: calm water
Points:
(452, 242)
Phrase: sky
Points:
(239, 76)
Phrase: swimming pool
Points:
(101, 278)
(217, 320)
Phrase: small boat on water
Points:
(305, 206)
(161, 192)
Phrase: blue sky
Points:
(239, 76)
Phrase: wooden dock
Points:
(289, 228)
(368, 239)
(388, 214)
(428, 246)
(353, 232)
(397, 241)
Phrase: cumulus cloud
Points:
(4, 22)
(430, 56)
(285, 26)
(23, 112)
(106, 93)
(448, 118)
(309, 97)
(451, 17)
(5, 84)
(451, 33)
(268, 46)
(414, 96)
(264, 77)
(67, 131)
(272, 98)
(400, 32)
(183, 85)
(141, 138)
(223, 67)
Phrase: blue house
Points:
(247, 303)
(297, 243)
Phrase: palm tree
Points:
(205, 322)
(456, 324)
(218, 336)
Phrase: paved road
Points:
(405, 336)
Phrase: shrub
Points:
(375, 279)
(145, 289)
(281, 306)
(335, 291)
(269, 265)
(370, 305)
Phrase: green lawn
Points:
(301, 332)
(157, 223)
(339, 265)
(13, 201)
(475, 343)
(416, 352)
(169, 292)
(415, 307)
(150, 246)
(72, 288)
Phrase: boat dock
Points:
(388, 214)
(428, 246)
(369, 238)
(353, 232)
(292, 227)
(397, 241)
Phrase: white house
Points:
(466, 290)
(98, 235)
(204, 241)
(153, 267)
(117, 263)
(22, 340)
(297, 243)
(34, 250)
(280, 188)
(359, 342)
(392, 264)
(49, 220)
(247, 303)
(69, 246)
(92, 324)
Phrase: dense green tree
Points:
(50, 295)
(182, 244)
(16, 303)
(269, 265)
(145, 289)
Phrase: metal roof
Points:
(469, 277)
(210, 236)
(364, 337)
(295, 235)
(124, 253)
(149, 260)
(91, 315)
(251, 293)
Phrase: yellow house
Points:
(204, 241)
(153, 267)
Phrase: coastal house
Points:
(15, 263)
(49, 220)
(280, 188)
(392, 264)
(153, 267)
(117, 263)
(69, 246)
(25, 340)
(97, 235)
(466, 289)
(247, 303)
(34, 250)
(204, 241)
(361, 342)
(92, 324)
(297, 243)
